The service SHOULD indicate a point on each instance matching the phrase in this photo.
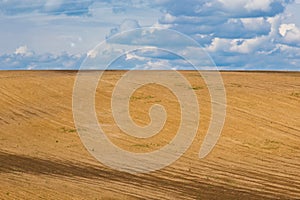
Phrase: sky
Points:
(236, 34)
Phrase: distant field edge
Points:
(72, 70)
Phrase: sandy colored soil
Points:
(257, 156)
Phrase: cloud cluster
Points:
(222, 18)
(238, 34)
(290, 34)
(151, 59)
(23, 58)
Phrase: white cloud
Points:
(23, 58)
(235, 32)
(263, 5)
(233, 4)
(249, 45)
(92, 53)
(240, 46)
(219, 44)
(168, 18)
(290, 34)
(160, 64)
(289, 50)
(133, 56)
(24, 51)
(284, 28)
(255, 24)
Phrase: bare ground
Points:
(257, 156)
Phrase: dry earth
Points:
(257, 156)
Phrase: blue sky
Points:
(237, 34)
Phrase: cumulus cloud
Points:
(241, 46)
(132, 56)
(24, 51)
(263, 5)
(290, 34)
(237, 33)
(24, 58)
(284, 28)
(223, 18)
(154, 59)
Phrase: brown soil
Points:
(257, 156)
